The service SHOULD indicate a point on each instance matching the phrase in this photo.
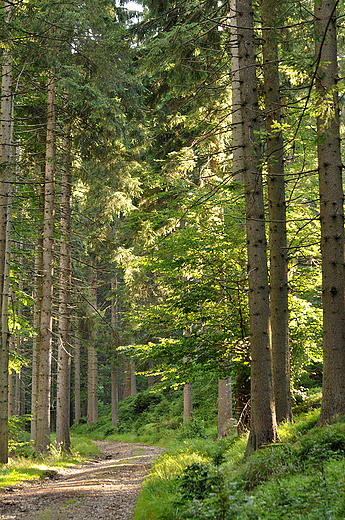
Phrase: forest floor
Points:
(104, 488)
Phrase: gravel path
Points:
(105, 488)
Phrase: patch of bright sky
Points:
(132, 6)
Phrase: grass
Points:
(303, 477)
(32, 467)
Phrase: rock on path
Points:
(105, 488)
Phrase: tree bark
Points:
(187, 403)
(92, 404)
(236, 124)
(225, 416)
(5, 232)
(114, 396)
(133, 379)
(64, 355)
(331, 212)
(263, 419)
(77, 406)
(45, 345)
(277, 217)
(114, 358)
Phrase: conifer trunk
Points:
(114, 396)
(77, 406)
(331, 212)
(5, 232)
(236, 124)
(64, 355)
(187, 403)
(92, 403)
(37, 296)
(225, 415)
(277, 217)
(263, 420)
(114, 358)
(45, 340)
(133, 378)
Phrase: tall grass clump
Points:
(301, 477)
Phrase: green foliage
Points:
(302, 477)
(25, 464)
(154, 416)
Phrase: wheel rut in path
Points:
(105, 488)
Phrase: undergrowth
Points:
(24, 464)
(300, 478)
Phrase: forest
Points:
(172, 226)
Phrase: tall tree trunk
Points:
(5, 230)
(77, 406)
(114, 358)
(277, 217)
(187, 403)
(150, 379)
(92, 402)
(19, 379)
(11, 392)
(331, 212)
(37, 297)
(45, 345)
(225, 415)
(236, 124)
(126, 379)
(263, 419)
(64, 355)
(133, 378)
(114, 396)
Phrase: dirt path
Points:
(105, 488)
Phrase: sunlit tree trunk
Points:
(133, 378)
(187, 403)
(5, 232)
(263, 420)
(77, 405)
(44, 350)
(225, 415)
(331, 212)
(114, 358)
(19, 377)
(64, 351)
(277, 216)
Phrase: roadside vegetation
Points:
(25, 464)
(199, 476)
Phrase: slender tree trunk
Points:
(263, 420)
(19, 378)
(11, 392)
(277, 217)
(126, 379)
(64, 355)
(92, 404)
(114, 359)
(133, 378)
(331, 213)
(37, 297)
(45, 346)
(237, 133)
(114, 396)
(187, 403)
(225, 416)
(150, 379)
(77, 406)
(5, 230)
